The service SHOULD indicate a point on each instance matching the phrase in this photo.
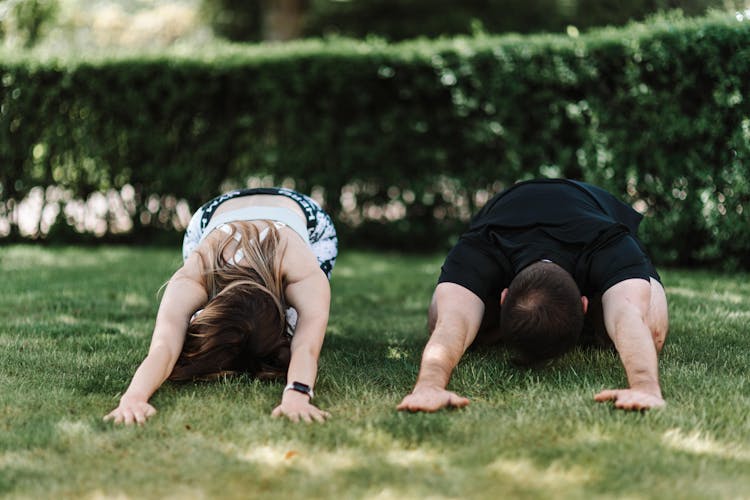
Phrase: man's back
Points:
(580, 227)
(554, 202)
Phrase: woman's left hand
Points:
(296, 406)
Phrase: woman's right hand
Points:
(131, 411)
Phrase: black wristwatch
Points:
(300, 387)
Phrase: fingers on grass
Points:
(405, 405)
(413, 408)
(607, 395)
(638, 405)
(624, 405)
(631, 406)
(129, 417)
(458, 401)
(319, 417)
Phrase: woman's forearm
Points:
(303, 364)
(149, 376)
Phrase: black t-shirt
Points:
(580, 227)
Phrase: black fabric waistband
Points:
(308, 208)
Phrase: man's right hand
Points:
(431, 399)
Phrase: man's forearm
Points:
(636, 348)
(442, 354)
(438, 362)
(458, 315)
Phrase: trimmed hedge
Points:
(404, 141)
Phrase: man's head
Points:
(542, 312)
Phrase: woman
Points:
(250, 297)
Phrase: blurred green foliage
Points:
(237, 20)
(394, 20)
(27, 20)
(406, 140)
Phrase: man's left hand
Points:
(631, 399)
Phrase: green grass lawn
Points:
(76, 323)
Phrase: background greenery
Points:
(240, 20)
(73, 25)
(402, 141)
(78, 321)
(27, 20)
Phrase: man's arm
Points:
(459, 313)
(626, 307)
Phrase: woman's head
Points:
(542, 312)
(242, 327)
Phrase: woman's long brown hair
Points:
(241, 328)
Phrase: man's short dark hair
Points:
(542, 315)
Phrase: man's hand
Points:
(431, 399)
(631, 399)
(296, 406)
(131, 411)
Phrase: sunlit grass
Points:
(76, 322)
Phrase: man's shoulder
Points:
(477, 265)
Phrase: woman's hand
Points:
(296, 406)
(131, 411)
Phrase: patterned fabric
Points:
(322, 233)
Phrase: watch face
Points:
(300, 387)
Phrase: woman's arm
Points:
(183, 295)
(309, 292)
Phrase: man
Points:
(523, 274)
